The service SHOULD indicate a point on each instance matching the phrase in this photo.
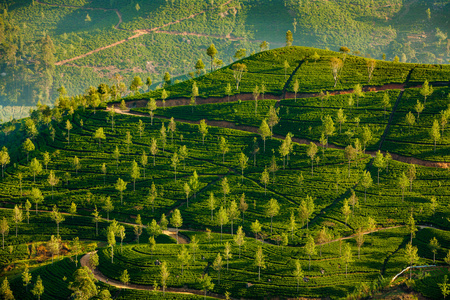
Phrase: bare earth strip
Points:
(137, 34)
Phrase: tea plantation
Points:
(277, 192)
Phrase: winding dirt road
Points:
(137, 33)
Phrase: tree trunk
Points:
(309, 268)
(221, 232)
(259, 273)
(271, 217)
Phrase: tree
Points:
(310, 248)
(54, 246)
(272, 118)
(194, 96)
(265, 179)
(5, 159)
(164, 96)
(68, 127)
(366, 136)
(199, 66)
(172, 127)
(260, 261)
(222, 218)
(411, 175)
(164, 273)
(211, 203)
(228, 91)
(243, 206)
(328, 126)
(371, 63)
(411, 256)
(366, 182)
(379, 163)
(52, 180)
(57, 217)
(108, 207)
(264, 46)
(419, 108)
(435, 132)
(76, 164)
(174, 162)
(116, 155)
(194, 183)
(111, 238)
(206, 284)
(27, 208)
(341, 118)
(100, 135)
(359, 240)
(225, 188)
(347, 257)
(238, 71)
(227, 252)
(134, 173)
(217, 264)
(296, 87)
(176, 220)
(4, 229)
(211, 52)
(26, 277)
(410, 120)
(37, 197)
(38, 289)
(187, 191)
(203, 128)
(128, 141)
(445, 287)
(151, 106)
(336, 67)
(426, 90)
(239, 238)
(434, 247)
(83, 286)
(35, 168)
(289, 38)
(264, 131)
(311, 152)
(306, 209)
(272, 209)
(350, 154)
(28, 147)
(154, 149)
(120, 186)
(243, 159)
(223, 145)
(346, 211)
(411, 225)
(76, 249)
(5, 290)
(153, 193)
(298, 272)
(122, 233)
(358, 92)
(93, 261)
(322, 238)
(255, 97)
(97, 218)
(403, 183)
(353, 200)
(233, 213)
(273, 167)
(256, 228)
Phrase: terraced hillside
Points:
(345, 209)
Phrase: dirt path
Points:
(84, 261)
(302, 141)
(137, 33)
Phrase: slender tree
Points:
(120, 186)
(217, 265)
(4, 229)
(310, 248)
(260, 261)
(272, 209)
(164, 273)
(222, 219)
(298, 272)
(176, 220)
(38, 288)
